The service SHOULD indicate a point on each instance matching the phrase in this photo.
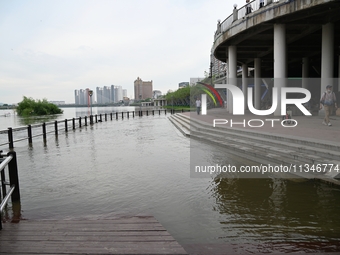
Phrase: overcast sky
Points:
(50, 48)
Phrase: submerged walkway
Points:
(124, 235)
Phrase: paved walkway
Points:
(307, 128)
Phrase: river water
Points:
(141, 166)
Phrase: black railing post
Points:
(10, 138)
(56, 127)
(85, 120)
(44, 131)
(13, 176)
(80, 122)
(29, 133)
(66, 125)
(91, 119)
(73, 123)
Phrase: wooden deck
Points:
(124, 235)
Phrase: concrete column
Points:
(232, 61)
(257, 83)
(280, 62)
(305, 72)
(327, 56)
(245, 83)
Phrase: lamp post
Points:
(140, 104)
(90, 94)
(91, 117)
(172, 104)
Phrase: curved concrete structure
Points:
(286, 38)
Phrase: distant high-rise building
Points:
(143, 89)
(124, 93)
(99, 92)
(76, 97)
(112, 96)
(118, 93)
(106, 95)
(82, 97)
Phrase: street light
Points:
(140, 103)
(90, 94)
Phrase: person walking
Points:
(198, 106)
(248, 7)
(328, 101)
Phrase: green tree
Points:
(31, 107)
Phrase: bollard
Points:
(165, 111)
(29, 133)
(128, 115)
(80, 122)
(13, 176)
(105, 117)
(85, 120)
(73, 123)
(91, 119)
(10, 138)
(66, 127)
(100, 118)
(116, 115)
(159, 112)
(96, 118)
(122, 115)
(147, 112)
(111, 115)
(153, 112)
(44, 131)
(133, 114)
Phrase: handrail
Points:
(240, 14)
(11, 162)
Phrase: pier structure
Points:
(279, 40)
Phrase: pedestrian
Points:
(328, 101)
(261, 3)
(198, 106)
(248, 7)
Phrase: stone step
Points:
(183, 127)
(316, 149)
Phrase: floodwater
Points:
(141, 166)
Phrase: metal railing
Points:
(242, 13)
(32, 131)
(8, 160)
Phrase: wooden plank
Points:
(92, 248)
(134, 235)
(102, 238)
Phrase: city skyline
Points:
(49, 48)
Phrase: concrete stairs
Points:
(267, 149)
